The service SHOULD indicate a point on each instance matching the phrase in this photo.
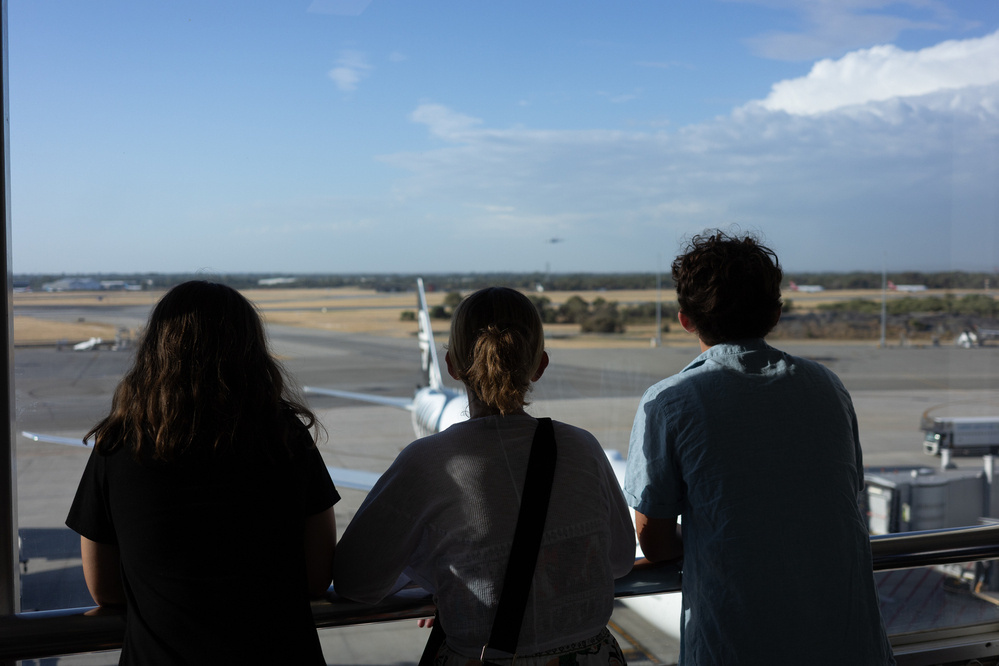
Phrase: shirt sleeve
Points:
(321, 494)
(381, 538)
(90, 514)
(652, 484)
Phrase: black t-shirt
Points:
(212, 551)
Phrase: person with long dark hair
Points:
(446, 510)
(205, 508)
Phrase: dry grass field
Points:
(363, 311)
(346, 310)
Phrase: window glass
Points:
(322, 155)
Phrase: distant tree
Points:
(645, 313)
(604, 318)
(407, 315)
(573, 311)
(544, 306)
(439, 312)
(859, 305)
(452, 299)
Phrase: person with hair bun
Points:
(445, 512)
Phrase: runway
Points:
(65, 393)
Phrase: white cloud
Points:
(443, 122)
(835, 190)
(885, 72)
(351, 67)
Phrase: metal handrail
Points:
(38, 634)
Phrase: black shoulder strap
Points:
(526, 540)
(523, 553)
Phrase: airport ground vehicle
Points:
(948, 436)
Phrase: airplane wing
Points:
(342, 477)
(53, 439)
(353, 478)
(389, 401)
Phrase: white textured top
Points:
(445, 514)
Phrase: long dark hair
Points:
(202, 373)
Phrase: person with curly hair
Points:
(757, 451)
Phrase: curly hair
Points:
(202, 376)
(728, 287)
(497, 342)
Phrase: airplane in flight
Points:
(807, 288)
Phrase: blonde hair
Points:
(497, 343)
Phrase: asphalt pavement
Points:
(65, 393)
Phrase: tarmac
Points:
(65, 393)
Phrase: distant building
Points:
(73, 284)
(90, 284)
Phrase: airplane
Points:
(87, 345)
(906, 287)
(807, 288)
(434, 408)
(437, 407)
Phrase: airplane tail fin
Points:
(425, 336)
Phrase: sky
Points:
(384, 136)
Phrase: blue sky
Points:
(403, 136)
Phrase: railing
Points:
(40, 634)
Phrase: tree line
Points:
(395, 282)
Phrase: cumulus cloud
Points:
(885, 72)
(835, 189)
(351, 67)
